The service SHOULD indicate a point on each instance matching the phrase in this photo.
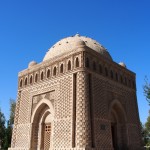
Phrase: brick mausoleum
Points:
(77, 98)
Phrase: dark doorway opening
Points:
(118, 126)
(114, 135)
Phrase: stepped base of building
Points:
(131, 148)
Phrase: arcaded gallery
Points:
(77, 98)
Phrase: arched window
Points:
(121, 79)
(21, 83)
(129, 83)
(125, 79)
(42, 75)
(48, 73)
(69, 65)
(77, 62)
(87, 64)
(94, 66)
(133, 84)
(61, 68)
(116, 76)
(111, 73)
(106, 71)
(100, 68)
(31, 80)
(26, 81)
(54, 71)
(36, 77)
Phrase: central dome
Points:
(71, 43)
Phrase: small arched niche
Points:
(69, 65)
(20, 83)
(31, 80)
(48, 73)
(26, 81)
(94, 65)
(42, 75)
(77, 62)
(36, 77)
(87, 63)
(61, 68)
(54, 71)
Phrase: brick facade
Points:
(78, 100)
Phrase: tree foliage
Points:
(146, 131)
(147, 90)
(6, 127)
(12, 111)
(10, 123)
(2, 129)
(147, 124)
(146, 127)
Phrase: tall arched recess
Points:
(42, 126)
(117, 117)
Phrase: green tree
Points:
(146, 131)
(2, 130)
(10, 122)
(147, 90)
(144, 134)
(146, 128)
(8, 134)
(147, 124)
(12, 111)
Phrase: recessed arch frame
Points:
(48, 110)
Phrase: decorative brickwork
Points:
(23, 134)
(24, 112)
(133, 134)
(76, 99)
(83, 129)
(62, 136)
(103, 134)
(99, 98)
(64, 98)
(131, 107)
(13, 140)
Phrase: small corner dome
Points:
(80, 43)
(122, 64)
(31, 64)
(71, 43)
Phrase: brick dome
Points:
(71, 43)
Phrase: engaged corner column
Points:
(83, 123)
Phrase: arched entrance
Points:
(118, 126)
(42, 126)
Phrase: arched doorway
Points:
(42, 126)
(118, 126)
(114, 130)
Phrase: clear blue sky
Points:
(28, 28)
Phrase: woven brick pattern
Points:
(83, 130)
(133, 132)
(102, 136)
(100, 105)
(62, 135)
(23, 134)
(63, 108)
(131, 107)
(13, 140)
(24, 112)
